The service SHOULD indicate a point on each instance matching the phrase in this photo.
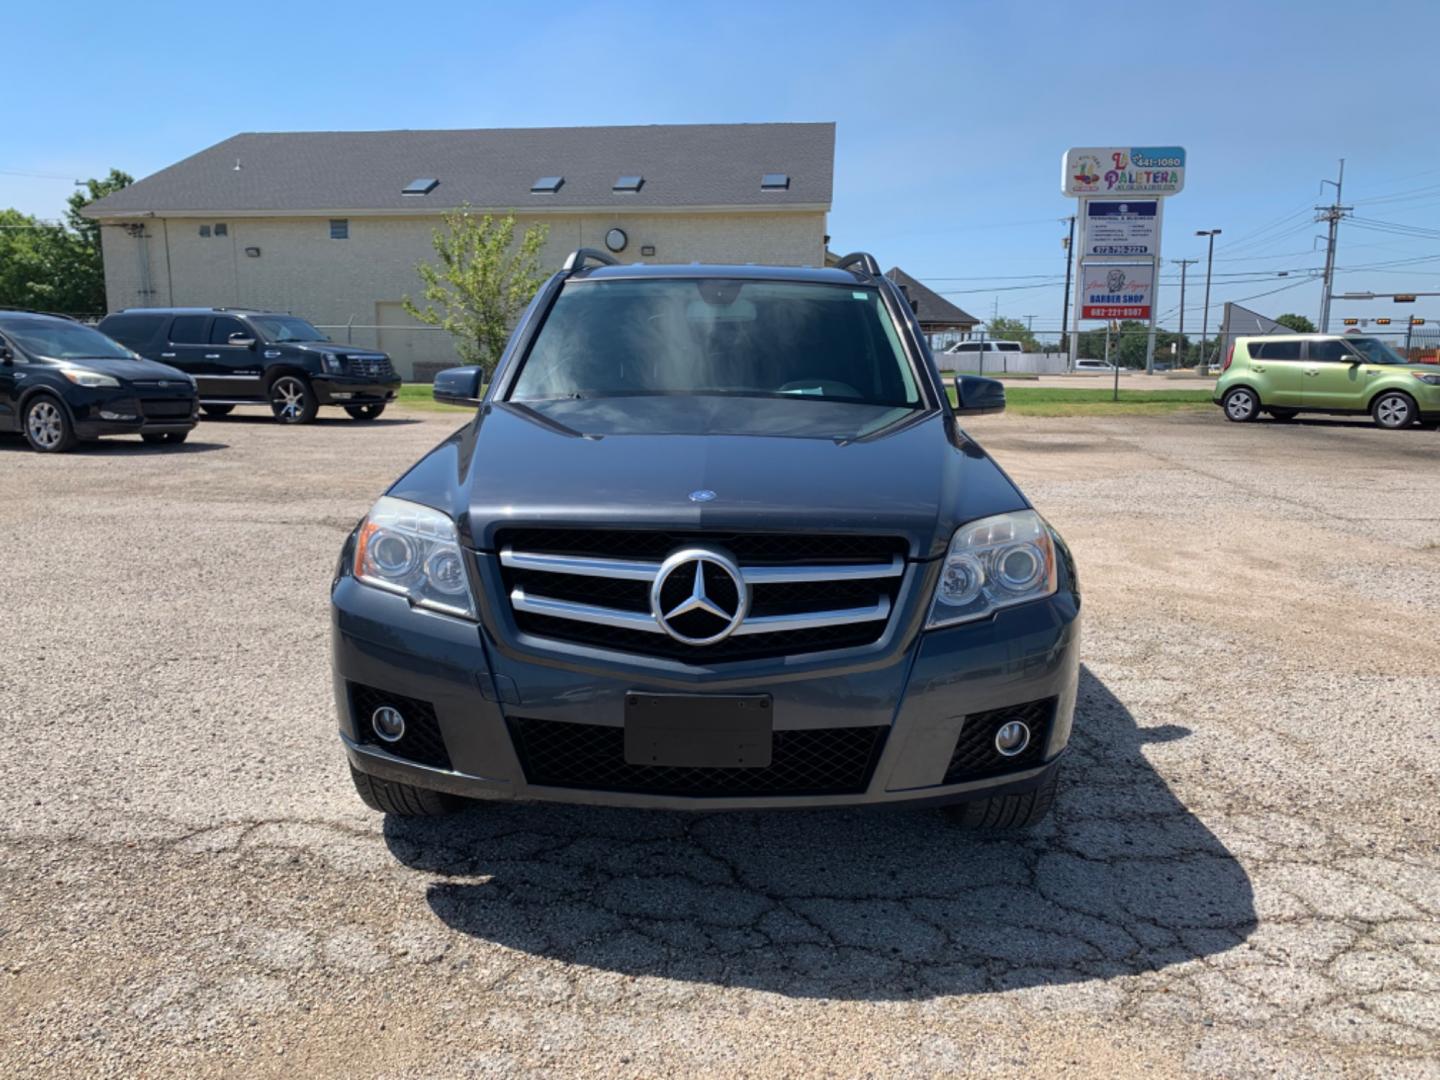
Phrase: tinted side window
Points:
(223, 327)
(1331, 351)
(968, 346)
(1276, 350)
(132, 331)
(189, 329)
(1009, 346)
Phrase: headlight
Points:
(413, 550)
(335, 365)
(994, 563)
(1426, 377)
(83, 377)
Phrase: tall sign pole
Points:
(1121, 193)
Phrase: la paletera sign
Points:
(1123, 170)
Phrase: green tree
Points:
(56, 267)
(1003, 329)
(1299, 323)
(481, 282)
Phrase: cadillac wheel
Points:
(292, 401)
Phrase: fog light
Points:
(389, 724)
(1012, 738)
(105, 414)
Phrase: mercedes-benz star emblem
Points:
(699, 596)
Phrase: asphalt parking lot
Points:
(1242, 876)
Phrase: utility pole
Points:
(1205, 315)
(1183, 264)
(1069, 246)
(1332, 214)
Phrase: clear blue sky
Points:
(951, 117)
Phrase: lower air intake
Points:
(421, 742)
(828, 761)
(975, 754)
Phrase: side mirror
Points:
(460, 385)
(243, 341)
(975, 395)
(6, 356)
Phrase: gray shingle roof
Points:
(684, 165)
(932, 309)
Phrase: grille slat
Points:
(369, 367)
(975, 755)
(807, 593)
(827, 761)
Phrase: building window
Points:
(221, 229)
(204, 230)
(339, 228)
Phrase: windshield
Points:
(1375, 350)
(714, 336)
(61, 340)
(279, 328)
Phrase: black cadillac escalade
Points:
(243, 357)
(714, 538)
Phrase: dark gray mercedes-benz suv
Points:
(713, 539)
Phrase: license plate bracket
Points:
(701, 731)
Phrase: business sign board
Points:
(1111, 290)
(1122, 228)
(1118, 170)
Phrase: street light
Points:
(1209, 261)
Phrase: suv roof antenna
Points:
(864, 259)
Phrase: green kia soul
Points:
(1326, 373)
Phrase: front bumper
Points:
(353, 389)
(921, 696)
(105, 411)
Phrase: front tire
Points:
(47, 426)
(404, 800)
(1394, 411)
(160, 438)
(1241, 405)
(292, 401)
(365, 412)
(1015, 811)
(218, 410)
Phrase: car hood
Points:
(333, 348)
(131, 370)
(772, 465)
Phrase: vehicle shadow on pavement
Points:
(264, 419)
(122, 447)
(870, 904)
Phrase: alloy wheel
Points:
(1392, 411)
(1240, 405)
(287, 396)
(45, 424)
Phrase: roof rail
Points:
(864, 258)
(577, 259)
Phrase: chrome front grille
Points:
(764, 596)
(369, 367)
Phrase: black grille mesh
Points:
(975, 755)
(421, 742)
(167, 410)
(828, 761)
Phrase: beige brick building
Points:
(319, 223)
